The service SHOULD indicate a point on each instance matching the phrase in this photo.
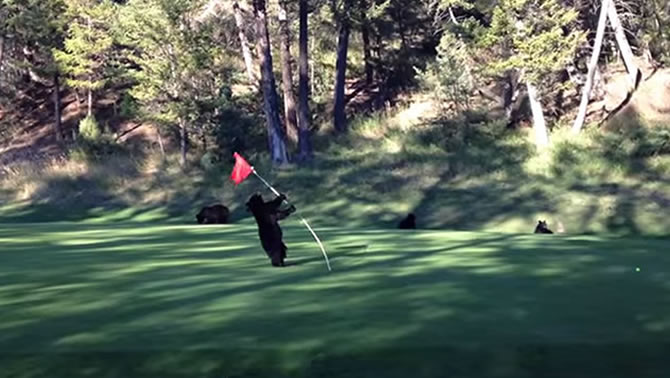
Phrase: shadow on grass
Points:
(579, 360)
(175, 301)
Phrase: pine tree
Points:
(85, 57)
(29, 30)
(179, 67)
(534, 38)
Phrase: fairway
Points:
(136, 300)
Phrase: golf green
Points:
(137, 300)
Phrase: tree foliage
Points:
(178, 67)
(534, 37)
(179, 64)
(86, 55)
(451, 77)
(29, 30)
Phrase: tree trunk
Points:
(90, 102)
(2, 51)
(365, 34)
(57, 108)
(401, 29)
(183, 136)
(160, 143)
(287, 75)
(77, 97)
(452, 16)
(624, 46)
(312, 81)
(540, 127)
(244, 42)
(510, 94)
(276, 138)
(379, 47)
(90, 77)
(304, 137)
(339, 115)
(593, 64)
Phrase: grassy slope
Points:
(453, 174)
(480, 178)
(164, 301)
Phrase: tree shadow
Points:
(129, 302)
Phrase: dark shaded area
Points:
(579, 360)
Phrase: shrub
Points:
(450, 77)
(128, 107)
(89, 129)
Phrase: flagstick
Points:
(304, 221)
(266, 183)
(323, 250)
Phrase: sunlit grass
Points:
(78, 297)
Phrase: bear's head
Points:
(255, 203)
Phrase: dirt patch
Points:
(649, 105)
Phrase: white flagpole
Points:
(303, 220)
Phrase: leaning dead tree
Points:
(214, 8)
(624, 46)
(607, 12)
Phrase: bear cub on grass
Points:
(216, 214)
(408, 223)
(268, 215)
(542, 228)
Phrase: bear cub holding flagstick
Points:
(267, 216)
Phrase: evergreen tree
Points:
(29, 30)
(179, 68)
(533, 38)
(85, 58)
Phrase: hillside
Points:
(454, 174)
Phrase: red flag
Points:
(241, 170)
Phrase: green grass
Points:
(128, 300)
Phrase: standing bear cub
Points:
(216, 214)
(268, 215)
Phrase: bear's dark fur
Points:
(409, 222)
(267, 216)
(216, 214)
(542, 228)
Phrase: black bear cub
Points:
(216, 214)
(408, 223)
(268, 215)
(542, 228)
